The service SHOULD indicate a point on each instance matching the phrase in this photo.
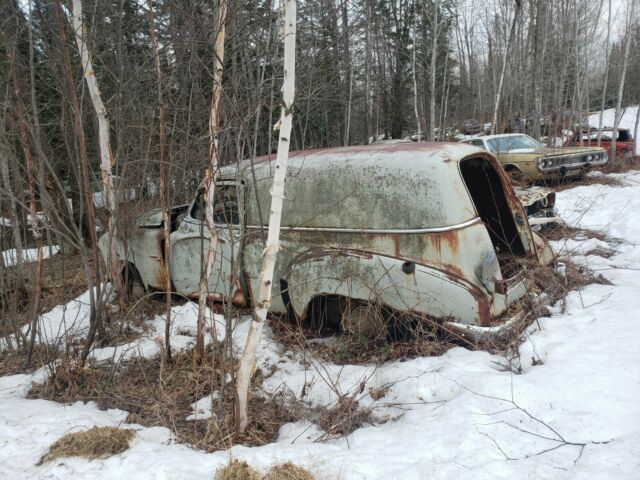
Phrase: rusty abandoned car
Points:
(431, 230)
(525, 158)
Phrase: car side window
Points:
(225, 208)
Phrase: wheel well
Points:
(130, 273)
(324, 315)
(511, 168)
(324, 312)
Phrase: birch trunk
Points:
(93, 278)
(505, 58)
(263, 299)
(106, 159)
(209, 182)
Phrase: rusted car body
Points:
(625, 144)
(429, 229)
(523, 156)
(539, 204)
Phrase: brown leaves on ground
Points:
(99, 442)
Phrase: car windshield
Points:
(512, 142)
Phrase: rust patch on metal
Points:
(160, 277)
(238, 298)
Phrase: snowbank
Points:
(28, 254)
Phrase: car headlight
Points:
(542, 163)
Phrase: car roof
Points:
(497, 135)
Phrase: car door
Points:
(190, 244)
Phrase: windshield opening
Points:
(515, 142)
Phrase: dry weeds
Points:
(99, 442)
(155, 393)
(288, 471)
(344, 417)
(236, 470)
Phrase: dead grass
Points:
(236, 470)
(99, 442)
(63, 280)
(155, 393)
(563, 232)
(13, 363)
(345, 349)
(344, 417)
(574, 182)
(288, 471)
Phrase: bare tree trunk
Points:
(106, 159)
(35, 222)
(348, 71)
(265, 282)
(635, 128)
(434, 56)
(163, 186)
(625, 63)
(606, 76)
(12, 211)
(415, 83)
(505, 58)
(95, 297)
(209, 183)
(367, 75)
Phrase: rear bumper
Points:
(476, 333)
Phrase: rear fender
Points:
(401, 285)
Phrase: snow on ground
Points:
(608, 118)
(28, 254)
(574, 412)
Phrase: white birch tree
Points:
(263, 299)
(106, 158)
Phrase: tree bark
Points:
(265, 282)
(106, 158)
(166, 245)
(606, 76)
(505, 58)
(625, 63)
(209, 182)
